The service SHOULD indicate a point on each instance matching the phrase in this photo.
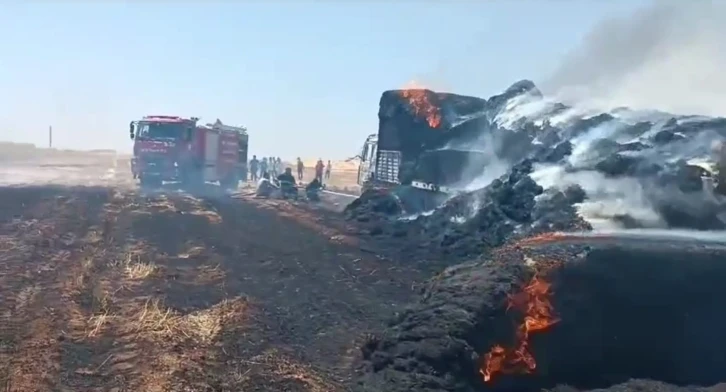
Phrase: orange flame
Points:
(544, 238)
(422, 106)
(533, 302)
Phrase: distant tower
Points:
(50, 137)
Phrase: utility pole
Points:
(50, 136)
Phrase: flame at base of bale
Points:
(533, 301)
(632, 317)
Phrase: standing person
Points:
(254, 166)
(328, 169)
(319, 170)
(300, 169)
(273, 167)
(264, 167)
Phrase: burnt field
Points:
(111, 290)
(105, 289)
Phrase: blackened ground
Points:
(116, 290)
(645, 310)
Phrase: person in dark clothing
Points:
(254, 167)
(287, 184)
(319, 167)
(312, 190)
(300, 169)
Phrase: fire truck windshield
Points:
(160, 130)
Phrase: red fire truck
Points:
(176, 149)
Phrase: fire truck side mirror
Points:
(131, 130)
(188, 134)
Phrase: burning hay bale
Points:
(615, 169)
(553, 314)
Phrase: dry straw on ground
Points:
(203, 326)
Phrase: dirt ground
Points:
(103, 288)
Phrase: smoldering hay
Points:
(630, 155)
(611, 316)
(553, 166)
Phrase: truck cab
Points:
(367, 157)
(176, 149)
(162, 144)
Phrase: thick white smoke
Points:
(670, 56)
(608, 198)
(483, 167)
(486, 166)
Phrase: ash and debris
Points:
(467, 225)
(563, 171)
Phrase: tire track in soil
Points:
(149, 337)
(194, 288)
(88, 359)
(41, 231)
(313, 299)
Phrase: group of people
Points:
(269, 175)
(267, 166)
(322, 171)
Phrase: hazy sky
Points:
(304, 77)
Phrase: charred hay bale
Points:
(615, 165)
(695, 212)
(555, 211)
(470, 224)
(498, 102)
(552, 155)
(428, 347)
(620, 312)
(666, 136)
(473, 222)
(582, 125)
(373, 204)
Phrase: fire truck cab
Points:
(176, 149)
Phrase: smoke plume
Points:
(670, 56)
